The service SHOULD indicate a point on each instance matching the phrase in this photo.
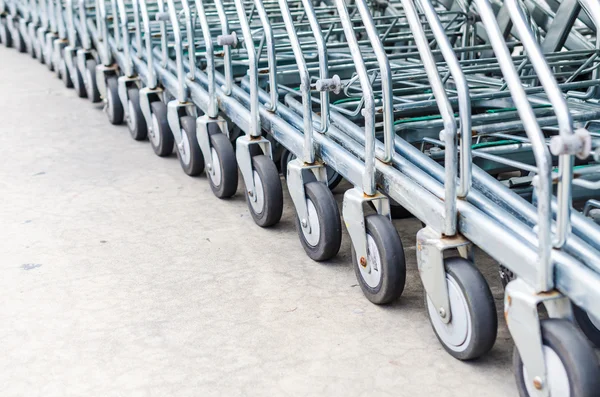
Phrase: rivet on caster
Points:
(182, 122)
(551, 357)
(317, 214)
(377, 252)
(264, 194)
(220, 162)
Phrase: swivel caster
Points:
(266, 202)
(188, 151)
(160, 135)
(5, 35)
(135, 118)
(20, 44)
(114, 107)
(78, 83)
(382, 274)
(571, 363)
(91, 86)
(471, 331)
(223, 174)
(320, 234)
(65, 75)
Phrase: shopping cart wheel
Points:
(590, 325)
(78, 84)
(571, 363)
(5, 35)
(20, 44)
(39, 53)
(473, 326)
(266, 210)
(114, 107)
(384, 282)
(136, 123)
(189, 153)
(90, 81)
(325, 237)
(65, 75)
(333, 178)
(223, 176)
(160, 135)
(31, 47)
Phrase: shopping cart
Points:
(479, 119)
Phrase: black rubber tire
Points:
(5, 35)
(20, 44)
(575, 353)
(37, 47)
(227, 164)
(48, 56)
(195, 166)
(64, 73)
(78, 83)
(164, 142)
(31, 47)
(330, 224)
(481, 306)
(136, 123)
(393, 262)
(586, 325)
(114, 107)
(91, 85)
(272, 209)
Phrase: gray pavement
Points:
(122, 276)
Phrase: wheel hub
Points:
(371, 273)
(456, 334)
(557, 379)
(215, 169)
(131, 117)
(313, 235)
(153, 132)
(257, 199)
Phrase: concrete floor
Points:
(122, 276)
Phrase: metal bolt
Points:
(537, 383)
(442, 312)
(304, 222)
(363, 261)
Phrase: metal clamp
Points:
(162, 16)
(578, 144)
(333, 84)
(228, 40)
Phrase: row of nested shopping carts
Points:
(480, 118)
